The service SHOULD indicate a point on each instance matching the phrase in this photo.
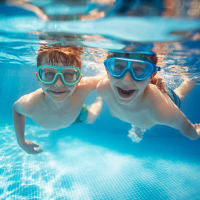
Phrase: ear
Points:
(107, 71)
(36, 76)
(81, 76)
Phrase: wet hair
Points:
(151, 57)
(67, 55)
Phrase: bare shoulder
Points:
(153, 93)
(161, 106)
(27, 103)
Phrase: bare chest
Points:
(138, 117)
(56, 119)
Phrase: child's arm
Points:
(187, 128)
(90, 83)
(167, 113)
(19, 124)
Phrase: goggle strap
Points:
(157, 68)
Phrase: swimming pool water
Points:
(98, 161)
(88, 162)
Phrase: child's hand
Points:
(156, 80)
(31, 147)
(197, 127)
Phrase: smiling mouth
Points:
(58, 92)
(125, 93)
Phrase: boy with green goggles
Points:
(59, 101)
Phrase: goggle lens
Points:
(69, 75)
(140, 70)
(117, 66)
(47, 74)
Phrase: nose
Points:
(127, 77)
(58, 81)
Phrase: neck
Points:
(136, 103)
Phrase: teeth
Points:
(127, 92)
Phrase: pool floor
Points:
(75, 167)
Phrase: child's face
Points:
(57, 91)
(126, 89)
(129, 77)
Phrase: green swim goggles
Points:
(48, 74)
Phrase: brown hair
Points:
(67, 55)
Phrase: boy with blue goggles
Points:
(139, 69)
(139, 102)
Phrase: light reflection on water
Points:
(180, 50)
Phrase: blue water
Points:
(97, 161)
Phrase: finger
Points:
(38, 150)
(197, 125)
(35, 145)
(159, 84)
(33, 151)
(156, 81)
(31, 143)
(164, 88)
(30, 151)
(153, 81)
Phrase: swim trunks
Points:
(83, 115)
(174, 97)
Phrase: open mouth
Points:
(125, 93)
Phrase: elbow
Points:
(191, 132)
(194, 137)
(14, 107)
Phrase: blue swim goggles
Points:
(139, 69)
(48, 74)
